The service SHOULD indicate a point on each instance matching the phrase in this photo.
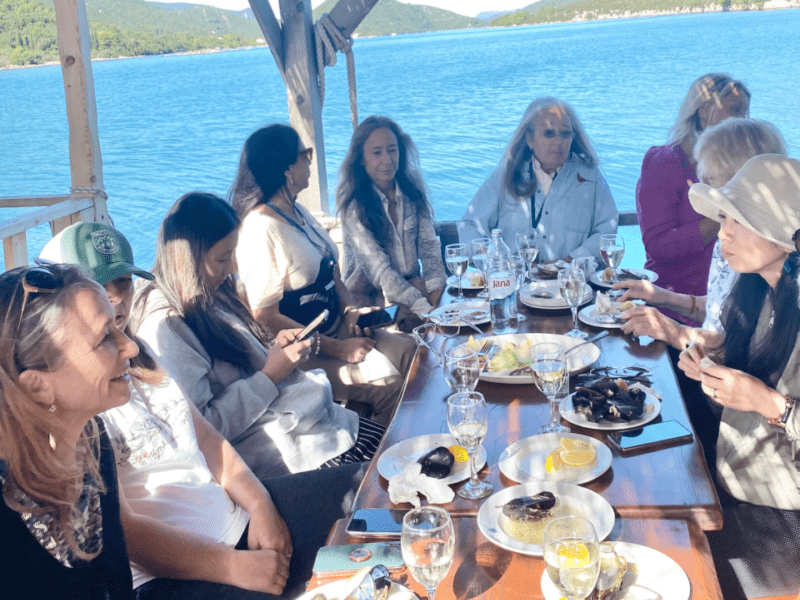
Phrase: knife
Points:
(589, 340)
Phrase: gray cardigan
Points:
(292, 427)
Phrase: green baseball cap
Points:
(99, 247)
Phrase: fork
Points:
(487, 345)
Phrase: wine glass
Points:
(457, 257)
(520, 270)
(612, 249)
(428, 544)
(549, 369)
(571, 283)
(572, 556)
(526, 244)
(479, 251)
(468, 418)
(461, 368)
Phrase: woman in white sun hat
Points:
(755, 376)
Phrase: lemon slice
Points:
(577, 458)
(553, 461)
(472, 343)
(459, 453)
(573, 444)
(574, 555)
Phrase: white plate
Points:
(394, 460)
(576, 361)
(658, 577)
(523, 461)
(590, 316)
(597, 277)
(589, 504)
(550, 286)
(455, 314)
(466, 280)
(652, 408)
(345, 587)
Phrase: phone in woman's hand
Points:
(309, 329)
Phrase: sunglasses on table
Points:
(426, 334)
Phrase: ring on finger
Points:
(714, 393)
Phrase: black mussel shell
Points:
(530, 508)
(437, 463)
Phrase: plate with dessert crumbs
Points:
(604, 278)
(632, 572)
(472, 279)
(565, 457)
(515, 518)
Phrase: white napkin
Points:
(376, 366)
(407, 486)
(604, 305)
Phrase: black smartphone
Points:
(349, 558)
(651, 437)
(376, 522)
(309, 329)
(379, 318)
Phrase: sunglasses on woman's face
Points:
(308, 153)
(38, 280)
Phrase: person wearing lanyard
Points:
(548, 180)
(288, 266)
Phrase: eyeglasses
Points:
(426, 333)
(37, 280)
(308, 153)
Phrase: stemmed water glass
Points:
(461, 368)
(520, 270)
(526, 244)
(571, 283)
(457, 257)
(572, 556)
(479, 251)
(549, 369)
(612, 249)
(468, 418)
(428, 544)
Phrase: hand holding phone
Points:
(309, 329)
(378, 318)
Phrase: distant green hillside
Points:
(390, 16)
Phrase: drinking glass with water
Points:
(428, 544)
(572, 556)
(479, 251)
(461, 368)
(457, 258)
(468, 418)
(549, 370)
(612, 249)
(571, 284)
(528, 250)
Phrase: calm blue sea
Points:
(173, 124)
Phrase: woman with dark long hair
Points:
(755, 377)
(388, 223)
(279, 418)
(288, 265)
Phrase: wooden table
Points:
(671, 483)
(482, 570)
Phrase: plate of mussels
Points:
(431, 451)
(611, 405)
(515, 518)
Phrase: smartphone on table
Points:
(350, 558)
(386, 522)
(650, 437)
(379, 318)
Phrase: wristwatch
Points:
(781, 421)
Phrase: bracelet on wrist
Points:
(787, 410)
(694, 305)
(318, 345)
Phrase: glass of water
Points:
(479, 251)
(612, 249)
(571, 283)
(528, 250)
(572, 556)
(457, 258)
(428, 544)
(461, 368)
(549, 369)
(468, 418)
(520, 270)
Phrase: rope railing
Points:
(329, 40)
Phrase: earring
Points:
(52, 441)
(291, 181)
(52, 408)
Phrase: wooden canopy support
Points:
(294, 49)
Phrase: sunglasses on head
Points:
(38, 280)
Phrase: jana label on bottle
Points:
(500, 287)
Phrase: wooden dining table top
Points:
(668, 483)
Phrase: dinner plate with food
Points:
(606, 312)
(515, 517)
(510, 363)
(346, 588)
(546, 295)
(605, 278)
(461, 314)
(439, 454)
(632, 572)
(472, 279)
(611, 405)
(564, 457)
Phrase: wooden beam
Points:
(271, 30)
(74, 50)
(28, 202)
(302, 89)
(15, 250)
(33, 219)
(348, 14)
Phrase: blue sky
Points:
(463, 7)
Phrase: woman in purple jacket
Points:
(679, 241)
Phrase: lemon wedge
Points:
(573, 444)
(472, 343)
(553, 461)
(459, 453)
(574, 555)
(577, 458)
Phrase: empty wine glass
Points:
(549, 370)
(612, 249)
(572, 556)
(571, 283)
(526, 244)
(468, 418)
(520, 270)
(479, 251)
(457, 258)
(461, 368)
(428, 544)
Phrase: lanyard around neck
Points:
(323, 248)
(535, 218)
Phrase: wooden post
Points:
(302, 90)
(74, 51)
